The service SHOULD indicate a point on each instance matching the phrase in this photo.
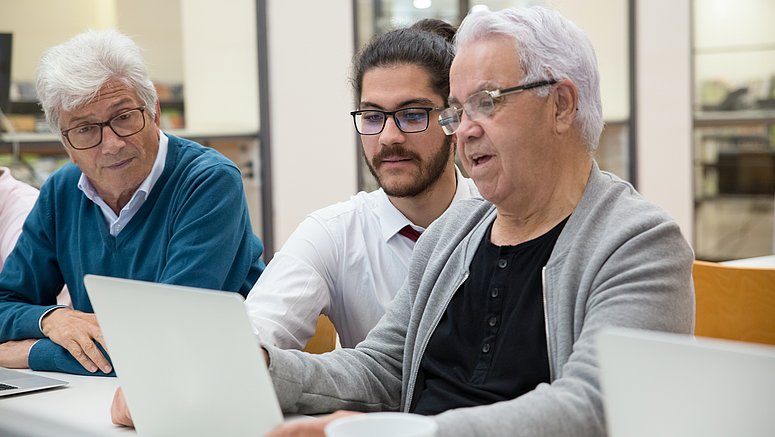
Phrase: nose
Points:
(391, 134)
(111, 143)
(468, 129)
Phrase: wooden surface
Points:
(324, 339)
(735, 303)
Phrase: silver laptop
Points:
(186, 358)
(659, 384)
(13, 382)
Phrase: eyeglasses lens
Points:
(90, 135)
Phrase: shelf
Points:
(729, 118)
(30, 107)
(24, 108)
(734, 138)
(33, 137)
(741, 48)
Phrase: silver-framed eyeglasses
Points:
(408, 120)
(480, 105)
(86, 136)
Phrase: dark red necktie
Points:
(410, 233)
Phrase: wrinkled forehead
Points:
(488, 63)
(109, 98)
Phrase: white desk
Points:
(80, 409)
(760, 261)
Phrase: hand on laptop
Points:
(308, 428)
(15, 354)
(77, 332)
(119, 410)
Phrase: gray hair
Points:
(71, 74)
(548, 45)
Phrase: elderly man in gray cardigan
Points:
(493, 331)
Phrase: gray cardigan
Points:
(619, 261)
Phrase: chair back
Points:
(324, 339)
(735, 303)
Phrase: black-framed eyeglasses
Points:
(480, 105)
(89, 135)
(408, 120)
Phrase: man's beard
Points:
(430, 171)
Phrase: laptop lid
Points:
(186, 358)
(13, 382)
(660, 384)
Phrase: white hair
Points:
(550, 47)
(71, 74)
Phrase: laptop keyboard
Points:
(7, 387)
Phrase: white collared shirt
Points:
(16, 201)
(346, 260)
(119, 222)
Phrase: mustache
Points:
(395, 150)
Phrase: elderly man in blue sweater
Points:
(134, 203)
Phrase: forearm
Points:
(19, 321)
(541, 413)
(367, 378)
(48, 356)
(343, 379)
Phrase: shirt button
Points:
(494, 293)
(486, 348)
(502, 263)
(493, 321)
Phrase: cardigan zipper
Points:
(418, 357)
(546, 324)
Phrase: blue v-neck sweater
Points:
(193, 230)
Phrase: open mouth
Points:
(480, 159)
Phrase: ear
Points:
(157, 118)
(70, 154)
(566, 103)
(67, 148)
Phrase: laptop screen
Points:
(659, 384)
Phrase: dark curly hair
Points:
(427, 44)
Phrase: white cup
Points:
(382, 425)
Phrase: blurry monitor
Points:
(5, 70)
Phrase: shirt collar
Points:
(392, 220)
(145, 187)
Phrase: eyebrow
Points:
(487, 86)
(112, 108)
(419, 101)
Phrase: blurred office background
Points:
(688, 95)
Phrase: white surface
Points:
(382, 425)
(80, 409)
(759, 261)
(187, 359)
(734, 41)
(610, 42)
(664, 114)
(314, 152)
(669, 385)
(220, 64)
